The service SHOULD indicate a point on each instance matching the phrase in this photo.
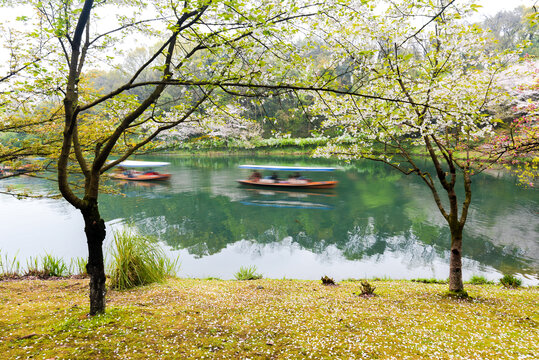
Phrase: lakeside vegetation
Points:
(187, 318)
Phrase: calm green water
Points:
(377, 222)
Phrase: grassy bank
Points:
(267, 319)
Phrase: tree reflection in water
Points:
(374, 212)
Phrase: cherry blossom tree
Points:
(434, 68)
(516, 141)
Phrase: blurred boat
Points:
(294, 181)
(133, 170)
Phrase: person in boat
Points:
(274, 177)
(255, 176)
(130, 173)
(297, 179)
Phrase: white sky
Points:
(491, 7)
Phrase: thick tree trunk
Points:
(95, 235)
(455, 261)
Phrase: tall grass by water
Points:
(41, 267)
(247, 273)
(138, 260)
(9, 267)
(46, 266)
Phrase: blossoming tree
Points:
(517, 141)
(434, 68)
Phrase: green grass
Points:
(54, 266)
(41, 267)
(430, 281)
(78, 266)
(269, 319)
(9, 266)
(247, 273)
(137, 260)
(479, 280)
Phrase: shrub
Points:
(137, 261)
(366, 289)
(326, 280)
(510, 281)
(479, 280)
(247, 273)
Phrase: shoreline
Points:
(16, 278)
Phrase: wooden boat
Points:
(286, 184)
(125, 171)
(297, 181)
(140, 176)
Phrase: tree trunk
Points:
(455, 261)
(95, 235)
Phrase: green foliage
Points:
(210, 142)
(137, 260)
(247, 273)
(514, 28)
(510, 281)
(479, 280)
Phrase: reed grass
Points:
(54, 266)
(77, 266)
(33, 268)
(138, 260)
(9, 267)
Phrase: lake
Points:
(376, 223)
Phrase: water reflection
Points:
(373, 215)
(297, 199)
(375, 223)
